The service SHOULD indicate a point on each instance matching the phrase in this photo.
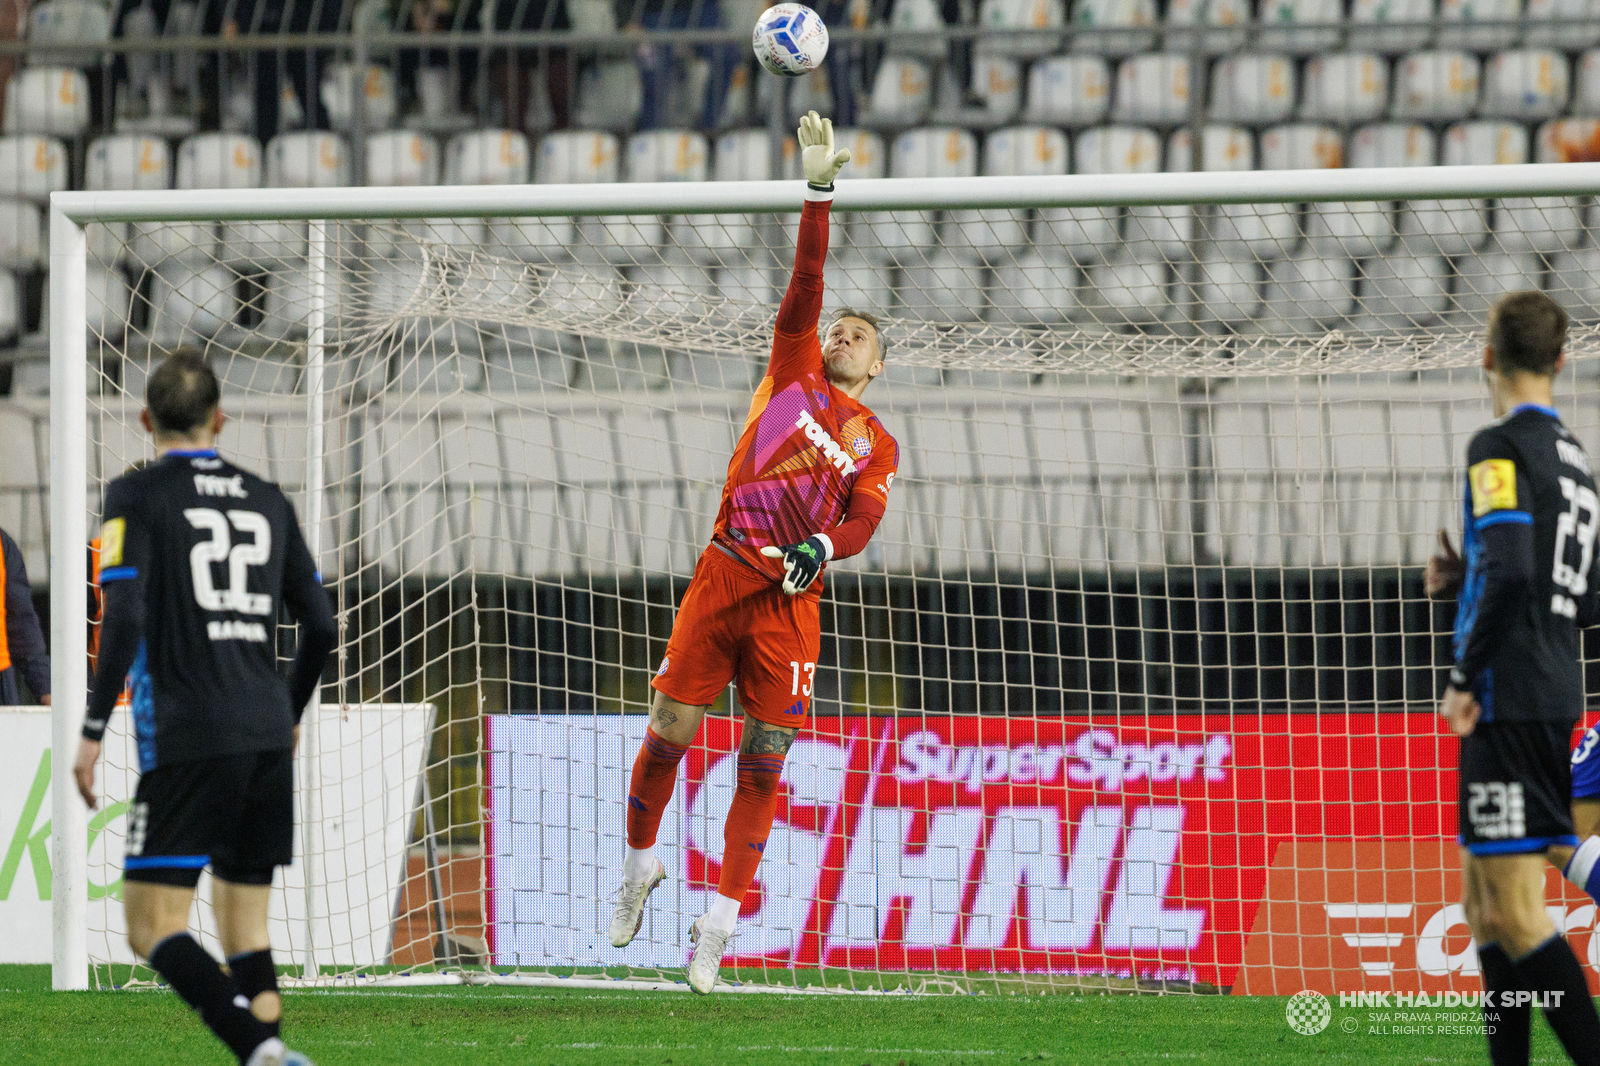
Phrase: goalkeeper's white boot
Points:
(628, 915)
(706, 960)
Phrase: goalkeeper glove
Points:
(802, 563)
(817, 157)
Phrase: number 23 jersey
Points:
(216, 550)
(1528, 468)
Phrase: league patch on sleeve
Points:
(1494, 486)
(111, 535)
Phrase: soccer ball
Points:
(790, 40)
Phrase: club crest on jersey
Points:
(664, 661)
(861, 446)
(825, 443)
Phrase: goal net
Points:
(1132, 689)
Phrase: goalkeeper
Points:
(808, 482)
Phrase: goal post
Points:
(1173, 449)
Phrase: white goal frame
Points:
(72, 212)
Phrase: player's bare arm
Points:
(1441, 578)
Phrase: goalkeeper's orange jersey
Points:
(810, 460)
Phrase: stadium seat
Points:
(107, 302)
(307, 159)
(1456, 227)
(1248, 232)
(1087, 234)
(902, 93)
(856, 281)
(1152, 88)
(1118, 27)
(1568, 140)
(1308, 294)
(32, 167)
(1586, 91)
(743, 155)
(1032, 289)
(583, 291)
(1575, 282)
(1286, 26)
(930, 152)
(70, 22)
(1345, 87)
(939, 287)
(1363, 229)
(1127, 293)
(1437, 86)
(1301, 146)
(1227, 22)
(912, 15)
(1228, 292)
(869, 158)
(21, 235)
(1072, 90)
(1252, 88)
(1462, 24)
(1564, 24)
(487, 157)
(655, 155)
(749, 289)
(50, 100)
(402, 158)
(190, 303)
(122, 161)
(1156, 233)
(1401, 291)
(565, 157)
(670, 289)
(1390, 27)
(340, 95)
(205, 161)
(609, 95)
(1525, 84)
(1483, 279)
(286, 304)
(997, 85)
(1021, 15)
(1017, 151)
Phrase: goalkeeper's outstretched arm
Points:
(802, 303)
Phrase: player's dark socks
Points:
(1508, 1026)
(196, 976)
(254, 973)
(1552, 968)
(1583, 869)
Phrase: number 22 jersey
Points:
(216, 550)
(1520, 653)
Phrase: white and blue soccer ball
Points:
(790, 40)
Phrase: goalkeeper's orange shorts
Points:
(735, 622)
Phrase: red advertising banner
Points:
(1078, 844)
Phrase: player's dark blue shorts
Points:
(234, 813)
(1516, 787)
(1586, 766)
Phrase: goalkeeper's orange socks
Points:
(655, 773)
(744, 834)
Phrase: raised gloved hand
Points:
(802, 563)
(817, 156)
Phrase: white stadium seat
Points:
(1526, 84)
(205, 161)
(1228, 291)
(671, 288)
(32, 167)
(1393, 144)
(1135, 19)
(941, 288)
(1438, 86)
(1363, 229)
(190, 303)
(286, 305)
(308, 159)
(1575, 282)
(402, 158)
(742, 155)
(902, 93)
(1021, 15)
(1286, 26)
(1345, 87)
(1252, 88)
(1401, 292)
(1308, 294)
(107, 301)
(123, 161)
(1090, 233)
(1565, 24)
(1390, 27)
(1152, 88)
(656, 155)
(1456, 227)
(67, 22)
(21, 235)
(1071, 90)
(856, 281)
(869, 158)
(912, 15)
(1549, 223)
(1165, 232)
(1586, 93)
(1226, 22)
(609, 95)
(930, 152)
(997, 84)
(487, 157)
(49, 100)
(340, 94)
(1462, 24)
(1133, 293)
(1032, 289)
(565, 157)
(1301, 146)
(1483, 279)
(1014, 151)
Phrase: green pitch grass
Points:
(539, 1027)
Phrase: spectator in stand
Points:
(21, 638)
(521, 77)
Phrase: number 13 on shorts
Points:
(802, 688)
